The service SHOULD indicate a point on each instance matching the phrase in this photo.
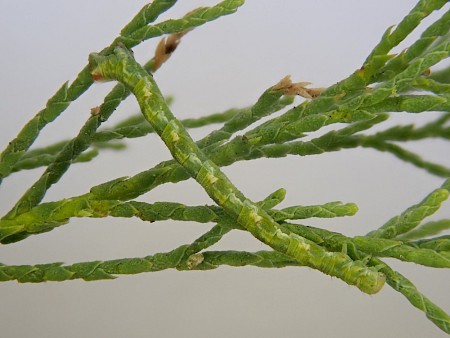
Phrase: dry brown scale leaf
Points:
(297, 88)
(165, 49)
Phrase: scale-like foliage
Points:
(384, 85)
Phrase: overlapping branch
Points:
(385, 84)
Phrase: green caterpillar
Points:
(122, 67)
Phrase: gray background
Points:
(221, 65)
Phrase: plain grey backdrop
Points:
(226, 63)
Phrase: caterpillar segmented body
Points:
(122, 67)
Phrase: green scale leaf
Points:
(122, 67)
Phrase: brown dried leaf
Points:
(95, 111)
(297, 88)
(165, 49)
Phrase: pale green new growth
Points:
(384, 85)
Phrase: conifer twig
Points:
(353, 110)
(122, 67)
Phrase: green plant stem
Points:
(385, 84)
(442, 75)
(184, 257)
(47, 216)
(133, 127)
(431, 85)
(193, 19)
(368, 246)
(83, 140)
(239, 149)
(438, 244)
(408, 156)
(379, 56)
(391, 39)
(98, 270)
(175, 259)
(66, 94)
(397, 249)
(401, 284)
(427, 229)
(414, 215)
(44, 157)
(338, 242)
(121, 66)
(325, 110)
(148, 14)
(431, 34)
(142, 128)
(66, 156)
(33, 162)
(192, 258)
(412, 104)
(268, 103)
(137, 127)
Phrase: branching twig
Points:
(385, 84)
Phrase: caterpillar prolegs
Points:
(338, 264)
(122, 67)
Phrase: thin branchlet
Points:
(385, 84)
(122, 67)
